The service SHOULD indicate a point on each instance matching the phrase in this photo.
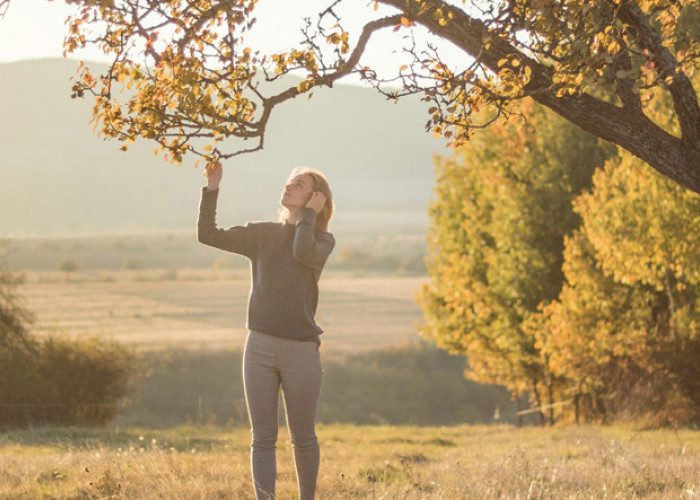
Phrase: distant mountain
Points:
(57, 176)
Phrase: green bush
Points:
(64, 382)
(83, 381)
(56, 381)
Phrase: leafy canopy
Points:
(496, 249)
(190, 81)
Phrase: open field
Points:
(190, 332)
(357, 462)
(206, 308)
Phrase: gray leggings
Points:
(268, 363)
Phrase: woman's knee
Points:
(305, 441)
(264, 442)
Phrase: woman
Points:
(282, 348)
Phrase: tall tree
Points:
(14, 316)
(193, 82)
(502, 209)
(625, 331)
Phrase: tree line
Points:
(568, 270)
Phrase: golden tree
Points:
(503, 207)
(625, 331)
(191, 82)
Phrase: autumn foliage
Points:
(580, 289)
(183, 76)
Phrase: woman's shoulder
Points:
(265, 227)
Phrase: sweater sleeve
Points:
(311, 248)
(235, 239)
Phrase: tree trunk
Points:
(628, 127)
(550, 395)
(538, 401)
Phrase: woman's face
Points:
(296, 192)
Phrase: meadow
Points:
(189, 328)
(358, 462)
(189, 333)
(205, 308)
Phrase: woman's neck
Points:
(292, 216)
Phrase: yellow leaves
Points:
(304, 86)
(297, 59)
(512, 76)
(340, 38)
(442, 17)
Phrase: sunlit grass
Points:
(357, 462)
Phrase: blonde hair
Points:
(320, 183)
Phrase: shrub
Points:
(64, 382)
(83, 381)
(56, 381)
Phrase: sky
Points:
(34, 29)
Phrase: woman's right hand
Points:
(214, 173)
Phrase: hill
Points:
(60, 178)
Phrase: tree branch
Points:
(344, 68)
(685, 100)
(678, 160)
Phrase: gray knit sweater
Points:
(286, 264)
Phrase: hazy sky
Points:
(35, 29)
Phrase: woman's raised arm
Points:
(235, 239)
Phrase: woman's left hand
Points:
(316, 202)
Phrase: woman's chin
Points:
(292, 207)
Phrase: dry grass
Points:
(206, 308)
(358, 462)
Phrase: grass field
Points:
(206, 308)
(357, 462)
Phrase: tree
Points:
(14, 317)
(570, 288)
(18, 350)
(69, 266)
(503, 208)
(624, 331)
(192, 83)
